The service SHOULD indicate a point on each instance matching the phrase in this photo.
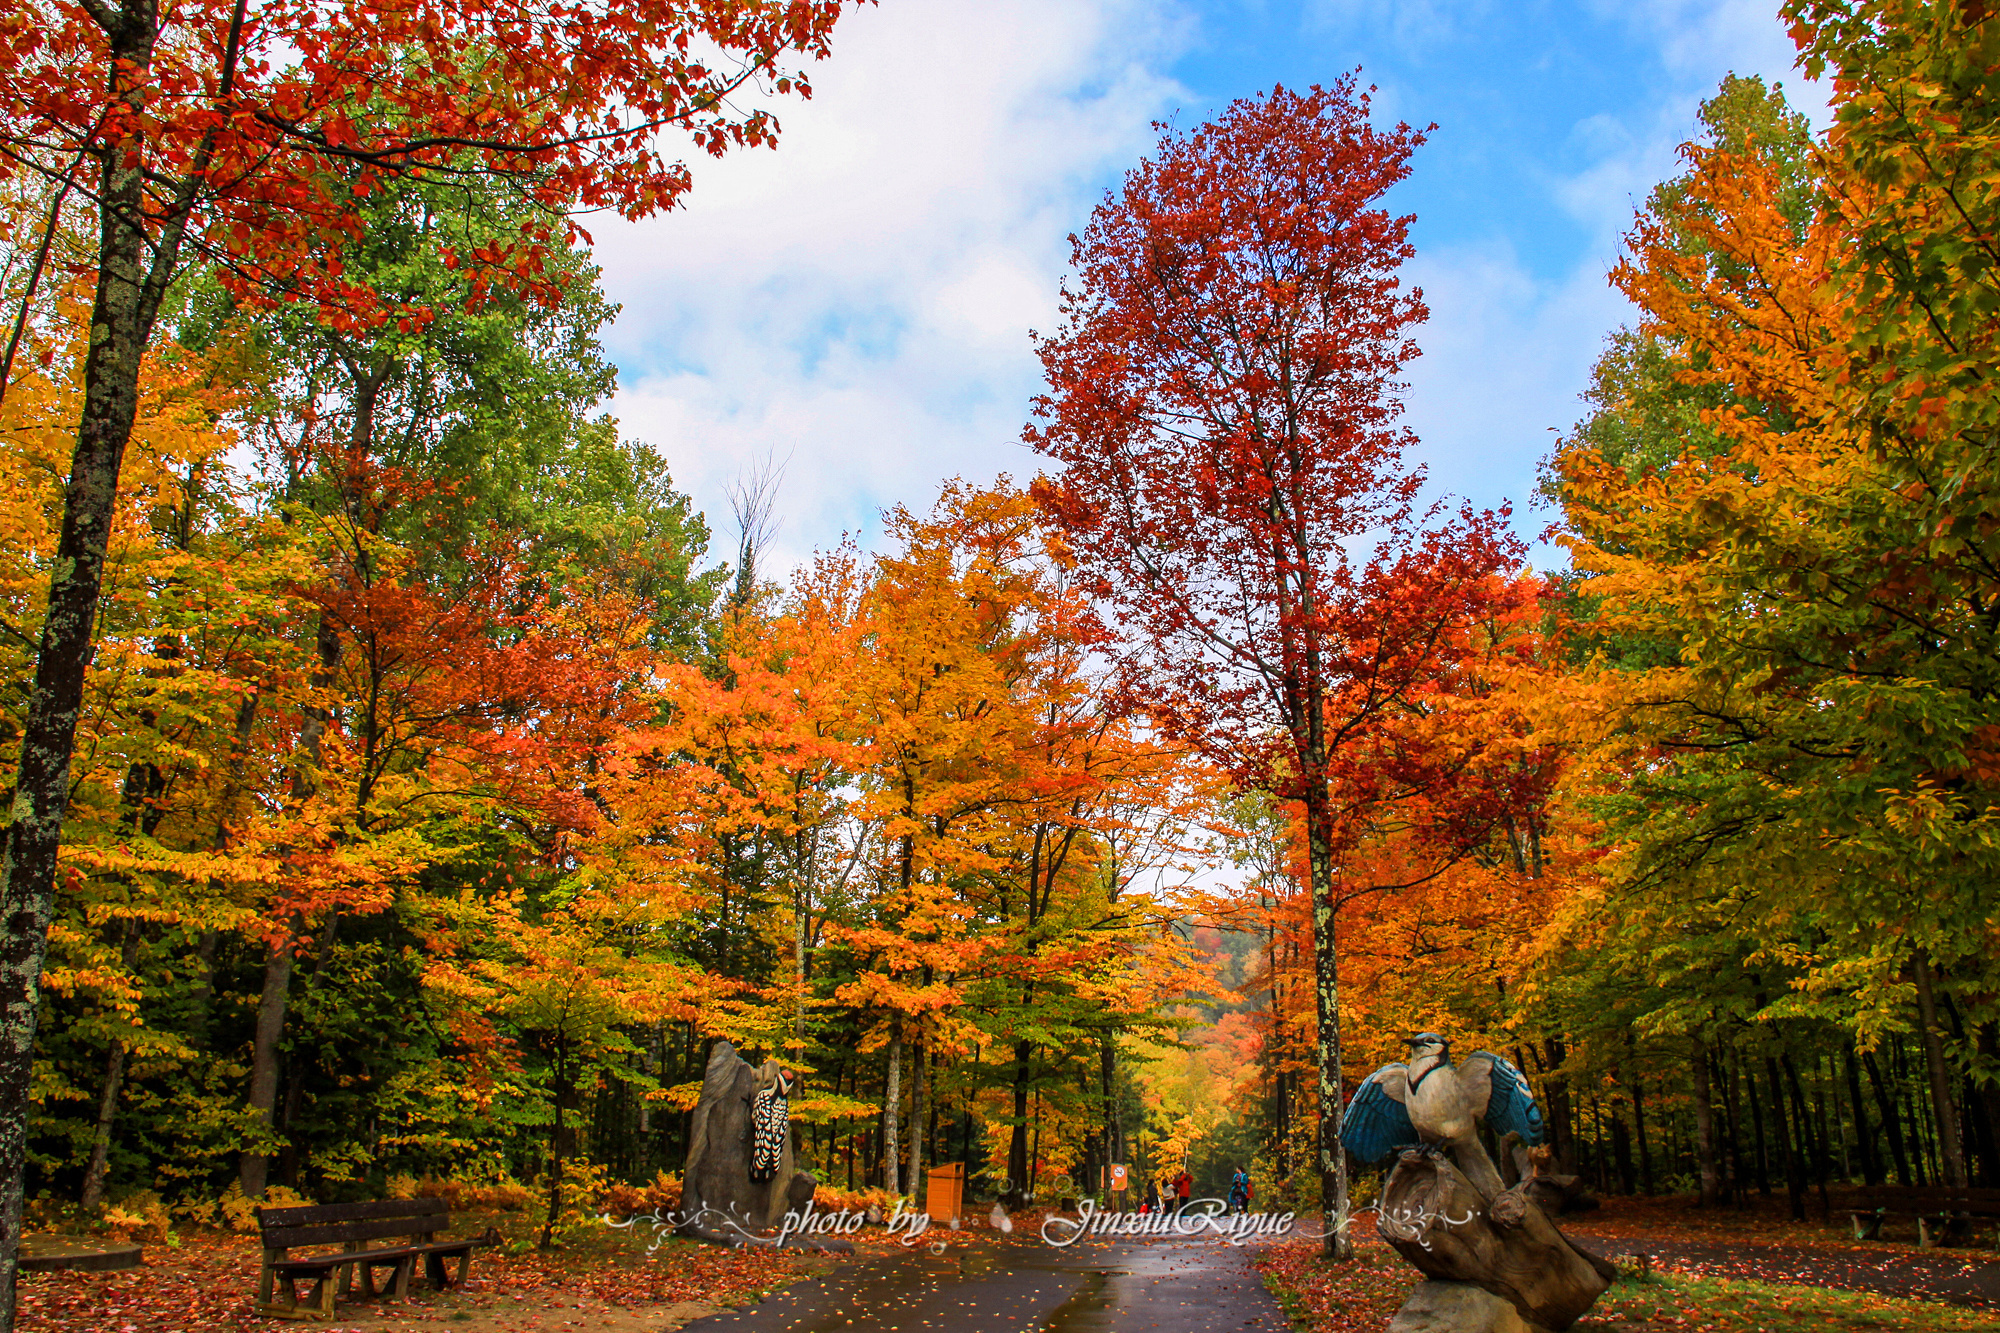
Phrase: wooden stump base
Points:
(90, 1254)
(1458, 1307)
(1435, 1219)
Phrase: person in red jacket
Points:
(1183, 1191)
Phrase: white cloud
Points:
(1504, 359)
(1705, 39)
(1410, 24)
(1507, 356)
(860, 299)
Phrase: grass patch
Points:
(1727, 1305)
(1360, 1297)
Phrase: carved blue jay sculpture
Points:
(1432, 1102)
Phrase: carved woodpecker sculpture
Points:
(1432, 1102)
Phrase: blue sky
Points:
(857, 304)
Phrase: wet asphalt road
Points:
(1013, 1286)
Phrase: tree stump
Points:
(87, 1254)
(719, 1200)
(1435, 1219)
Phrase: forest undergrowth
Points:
(1735, 1270)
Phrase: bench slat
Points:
(315, 1263)
(337, 1233)
(313, 1214)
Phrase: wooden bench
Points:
(353, 1226)
(1944, 1216)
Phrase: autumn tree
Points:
(245, 137)
(1222, 404)
(427, 436)
(1813, 746)
(195, 633)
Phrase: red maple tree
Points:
(247, 137)
(1223, 403)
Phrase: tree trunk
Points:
(253, 1168)
(1871, 1160)
(95, 1172)
(919, 1112)
(1326, 976)
(1017, 1141)
(1795, 1186)
(1910, 1100)
(1114, 1123)
(1621, 1143)
(1757, 1128)
(1951, 1151)
(892, 1106)
(1600, 1159)
(1035, 1159)
(1980, 1129)
(121, 324)
(1706, 1166)
(1639, 1129)
(801, 921)
(1562, 1116)
(1732, 1105)
(559, 1147)
(1892, 1123)
(1817, 1142)
(100, 1143)
(1988, 1045)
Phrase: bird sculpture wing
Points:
(1501, 1097)
(1377, 1123)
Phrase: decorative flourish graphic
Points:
(808, 1221)
(1407, 1223)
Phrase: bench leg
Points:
(434, 1272)
(324, 1293)
(321, 1300)
(278, 1296)
(1925, 1240)
(464, 1267)
(1867, 1226)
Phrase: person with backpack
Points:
(1239, 1191)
